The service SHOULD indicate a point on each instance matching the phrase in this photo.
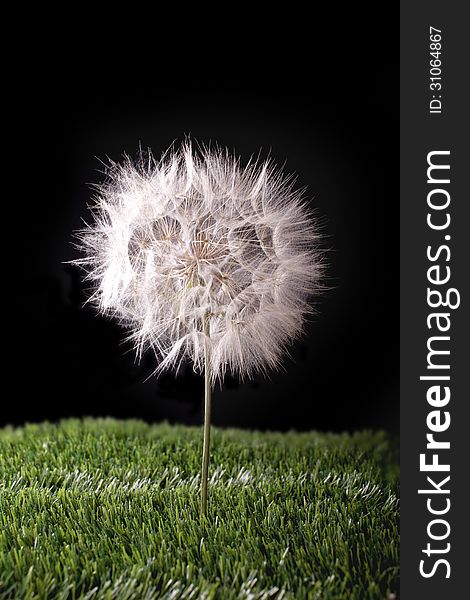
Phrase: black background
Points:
(317, 92)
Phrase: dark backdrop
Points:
(318, 93)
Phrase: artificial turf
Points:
(106, 509)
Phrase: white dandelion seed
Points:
(203, 259)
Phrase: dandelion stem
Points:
(207, 418)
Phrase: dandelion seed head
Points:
(194, 248)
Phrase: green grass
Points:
(103, 509)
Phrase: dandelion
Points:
(203, 259)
